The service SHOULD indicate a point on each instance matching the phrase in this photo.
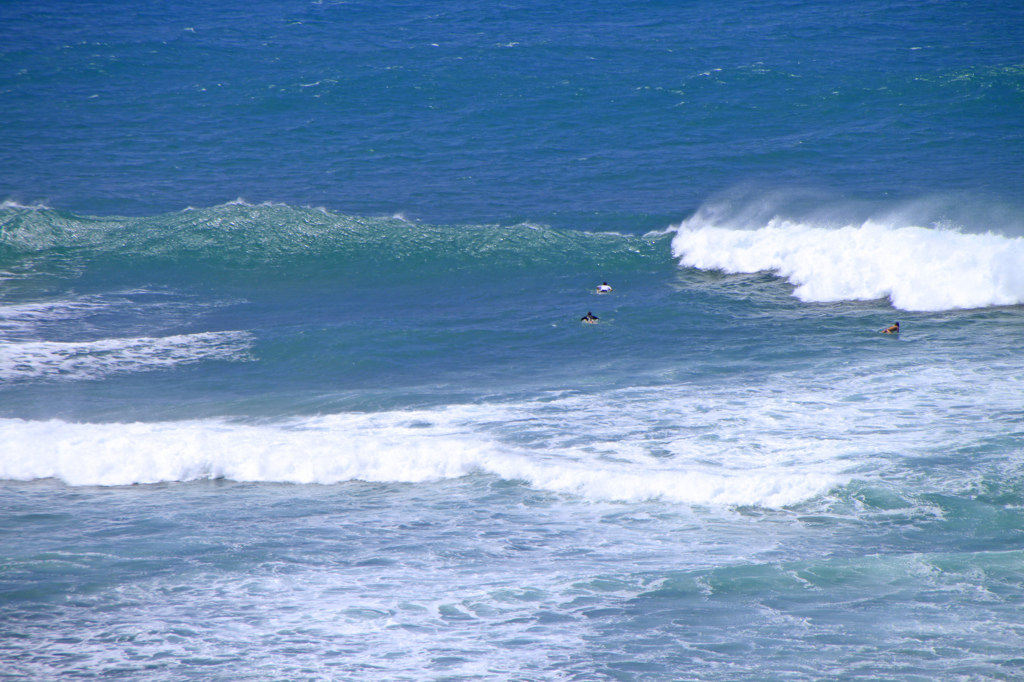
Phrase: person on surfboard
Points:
(604, 288)
(894, 329)
(589, 318)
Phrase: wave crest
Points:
(384, 447)
(241, 234)
(916, 268)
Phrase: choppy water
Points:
(350, 427)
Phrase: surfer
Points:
(604, 288)
(894, 329)
(589, 318)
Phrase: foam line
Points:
(386, 447)
(94, 359)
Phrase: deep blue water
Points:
(468, 112)
(294, 385)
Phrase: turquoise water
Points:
(293, 383)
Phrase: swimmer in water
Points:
(894, 329)
(589, 318)
(604, 288)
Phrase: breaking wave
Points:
(915, 268)
(373, 448)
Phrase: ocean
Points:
(294, 383)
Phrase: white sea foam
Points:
(771, 445)
(378, 448)
(14, 205)
(627, 445)
(94, 359)
(24, 355)
(28, 317)
(916, 268)
(121, 454)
